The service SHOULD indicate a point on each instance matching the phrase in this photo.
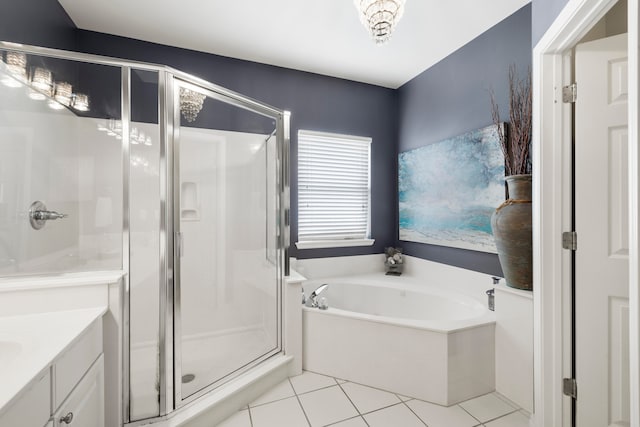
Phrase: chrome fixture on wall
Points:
(38, 215)
(380, 17)
(312, 301)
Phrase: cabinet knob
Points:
(67, 418)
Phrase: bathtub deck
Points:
(317, 400)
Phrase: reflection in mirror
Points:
(51, 150)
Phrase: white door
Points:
(601, 220)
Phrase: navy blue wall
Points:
(452, 97)
(446, 100)
(317, 102)
(543, 14)
(37, 22)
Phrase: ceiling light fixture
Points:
(380, 17)
(190, 103)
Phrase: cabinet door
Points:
(85, 405)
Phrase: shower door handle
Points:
(179, 244)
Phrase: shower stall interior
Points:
(180, 183)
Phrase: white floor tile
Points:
(240, 419)
(516, 419)
(369, 399)
(487, 407)
(353, 422)
(441, 416)
(281, 391)
(327, 406)
(396, 416)
(310, 381)
(283, 413)
(404, 398)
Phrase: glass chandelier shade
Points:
(380, 17)
(190, 104)
(63, 93)
(42, 80)
(16, 66)
(81, 102)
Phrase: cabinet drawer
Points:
(32, 407)
(71, 365)
(85, 405)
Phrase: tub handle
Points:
(491, 302)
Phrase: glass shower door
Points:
(227, 266)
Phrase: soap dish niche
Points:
(189, 208)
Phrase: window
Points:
(333, 190)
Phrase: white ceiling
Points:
(320, 36)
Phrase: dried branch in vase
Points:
(516, 142)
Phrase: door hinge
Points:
(570, 240)
(570, 387)
(570, 93)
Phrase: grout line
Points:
(384, 407)
(349, 398)
(501, 416)
(250, 417)
(300, 403)
(470, 414)
(346, 419)
(408, 407)
(272, 401)
(317, 389)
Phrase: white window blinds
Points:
(333, 186)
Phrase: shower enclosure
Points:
(178, 182)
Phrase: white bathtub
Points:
(401, 335)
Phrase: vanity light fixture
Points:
(81, 102)
(63, 93)
(42, 80)
(16, 65)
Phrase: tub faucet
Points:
(312, 301)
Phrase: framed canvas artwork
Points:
(449, 189)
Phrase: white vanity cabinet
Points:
(78, 386)
(69, 387)
(84, 407)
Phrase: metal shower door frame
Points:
(170, 153)
(167, 117)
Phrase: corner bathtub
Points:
(401, 335)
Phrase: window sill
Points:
(317, 244)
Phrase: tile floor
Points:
(317, 400)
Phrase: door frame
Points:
(552, 172)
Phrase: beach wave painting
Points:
(449, 189)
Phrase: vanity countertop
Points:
(30, 343)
